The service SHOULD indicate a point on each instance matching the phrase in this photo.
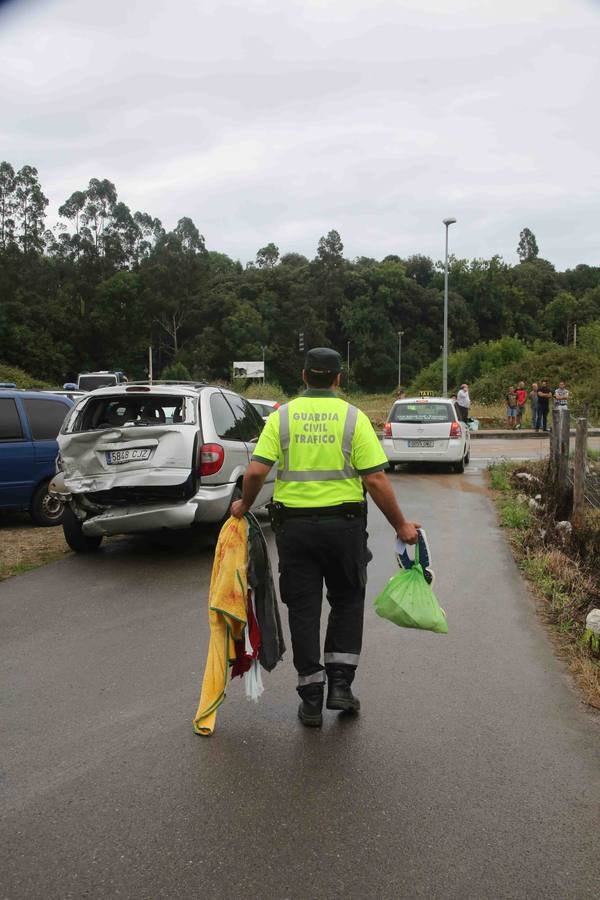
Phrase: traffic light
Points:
(300, 341)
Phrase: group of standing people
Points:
(539, 398)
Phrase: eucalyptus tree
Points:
(7, 205)
(528, 248)
(29, 210)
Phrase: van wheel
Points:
(459, 466)
(74, 536)
(468, 458)
(46, 510)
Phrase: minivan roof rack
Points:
(195, 384)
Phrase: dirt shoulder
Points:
(560, 565)
(24, 546)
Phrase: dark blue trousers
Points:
(315, 551)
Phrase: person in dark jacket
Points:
(544, 397)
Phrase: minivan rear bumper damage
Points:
(150, 517)
(209, 504)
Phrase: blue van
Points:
(29, 424)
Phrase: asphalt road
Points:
(473, 770)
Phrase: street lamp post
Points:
(264, 373)
(400, 333)
(447, 223)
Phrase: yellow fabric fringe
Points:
(226, 616)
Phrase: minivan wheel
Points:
(459, 466)
(215, 527)
(74, 536)
(236, 495)
(46, 510)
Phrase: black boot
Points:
(309, 711)
(339, 695)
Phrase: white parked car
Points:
(142, 457)
(426, 429)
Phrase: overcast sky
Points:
(278, 120)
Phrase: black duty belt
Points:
(341, 510)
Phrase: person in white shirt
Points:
(463, 402)
(561, 396)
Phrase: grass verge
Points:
(559, 566)
(24, 547)
(33, 562)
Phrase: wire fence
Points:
(591, 490)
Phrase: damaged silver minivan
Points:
(142, 457)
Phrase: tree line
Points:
(104, 283)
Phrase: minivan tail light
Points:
(210, 459)
(387, 429)
(455, 431)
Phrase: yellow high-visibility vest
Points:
(322, 446)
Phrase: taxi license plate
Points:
(420, 443)
(118, 457)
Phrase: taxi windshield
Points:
(421, 413)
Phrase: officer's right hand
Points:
(238, 509)
(408, 532)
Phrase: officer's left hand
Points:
(238, 509)
(408, 532)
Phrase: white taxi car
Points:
(426, 429)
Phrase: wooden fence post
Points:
(579, 473)
(561, 420)
(554, 443)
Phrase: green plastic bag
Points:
(408, 601)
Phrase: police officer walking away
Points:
(326, 450)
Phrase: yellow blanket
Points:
(226, 616)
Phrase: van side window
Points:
(249, 422)
(45, 418)
(223, 418)
(10, 421)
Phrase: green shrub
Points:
(259, 391)
(490, 368)
(580, 369)
(21, 378)
(468, 365)
(176, 372)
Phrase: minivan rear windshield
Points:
(131, 411)
(422, 412)
(91, 382)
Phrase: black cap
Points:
(323, 360)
